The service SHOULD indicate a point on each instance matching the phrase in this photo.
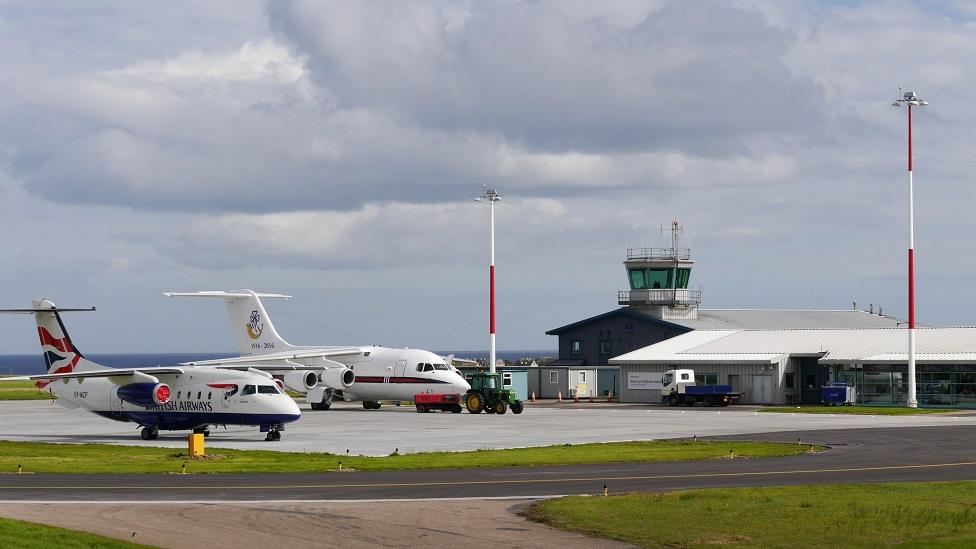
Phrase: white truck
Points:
(679, 388)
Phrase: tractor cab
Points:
(487, 395)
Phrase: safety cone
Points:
(559, 396)
(576, 397)
(532, 398)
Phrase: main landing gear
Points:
(371, 404)
(150, 433)
(205, 431)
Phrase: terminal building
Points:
(770, 356)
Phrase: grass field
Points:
(22, 390)
(15, 534)
(96, 458)
(874, 515)
(857, 410)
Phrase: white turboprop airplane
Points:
(367, 373)
(168, 398)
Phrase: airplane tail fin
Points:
(252, 326)
(60, 354)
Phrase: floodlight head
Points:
(909, 96)
(491, 195)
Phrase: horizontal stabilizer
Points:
(225, 295)
(41, 310)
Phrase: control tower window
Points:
(658, 278)
(637, 279)
(683, 276)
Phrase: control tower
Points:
(658, 280)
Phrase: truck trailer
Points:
(679, 388)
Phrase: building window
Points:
(582, 377)
(605, 347)
(553, 376)
(507, 379)
(788, 380)
(577, 346)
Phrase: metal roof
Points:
(866, 345)
(754, 319)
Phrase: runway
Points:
(856, 455)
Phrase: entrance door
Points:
(813, 376)
(401, 365)
(762, 389)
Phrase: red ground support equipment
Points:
(427, 402)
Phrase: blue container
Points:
(834, 394)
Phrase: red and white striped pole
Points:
(911, 100)
(491, 196)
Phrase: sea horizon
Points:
(31, 364)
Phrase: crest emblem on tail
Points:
(254, 326)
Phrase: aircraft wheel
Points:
(315, 405)
(456, 409)
(146, 433)
(517, 407)
(421, 408)
(368, 404)
(501, 407)
(475, 403)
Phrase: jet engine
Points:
(338, 378)
(146, 395)
(301, 380)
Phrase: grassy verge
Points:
(876, 515)
(22, 390)
(857, 410)
(96, 458)
(15, 534)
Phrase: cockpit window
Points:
(440, 366)
(420, 367)
(428, 368)
(267, 389)
(248, 390)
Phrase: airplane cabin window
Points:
(178, 393)
(268, 389)
(199, 394)
(209, 395)
(248, 390)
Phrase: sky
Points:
(331, 151)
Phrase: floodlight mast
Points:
(911, 100)
(491, 196)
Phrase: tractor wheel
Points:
(421, 408)
(475, 403)
(517, 407)
(500, 407)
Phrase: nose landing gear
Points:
(274, 432)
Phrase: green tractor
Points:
(487, 395)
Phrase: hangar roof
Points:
(748, 319)
(866, 345)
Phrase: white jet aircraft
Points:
(367, 373)
(168, 398)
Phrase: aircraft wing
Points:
(107, 372)
(281, 366)
(260, 361)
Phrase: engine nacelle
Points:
(338, 378)
(301, 380)
(146, 395)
